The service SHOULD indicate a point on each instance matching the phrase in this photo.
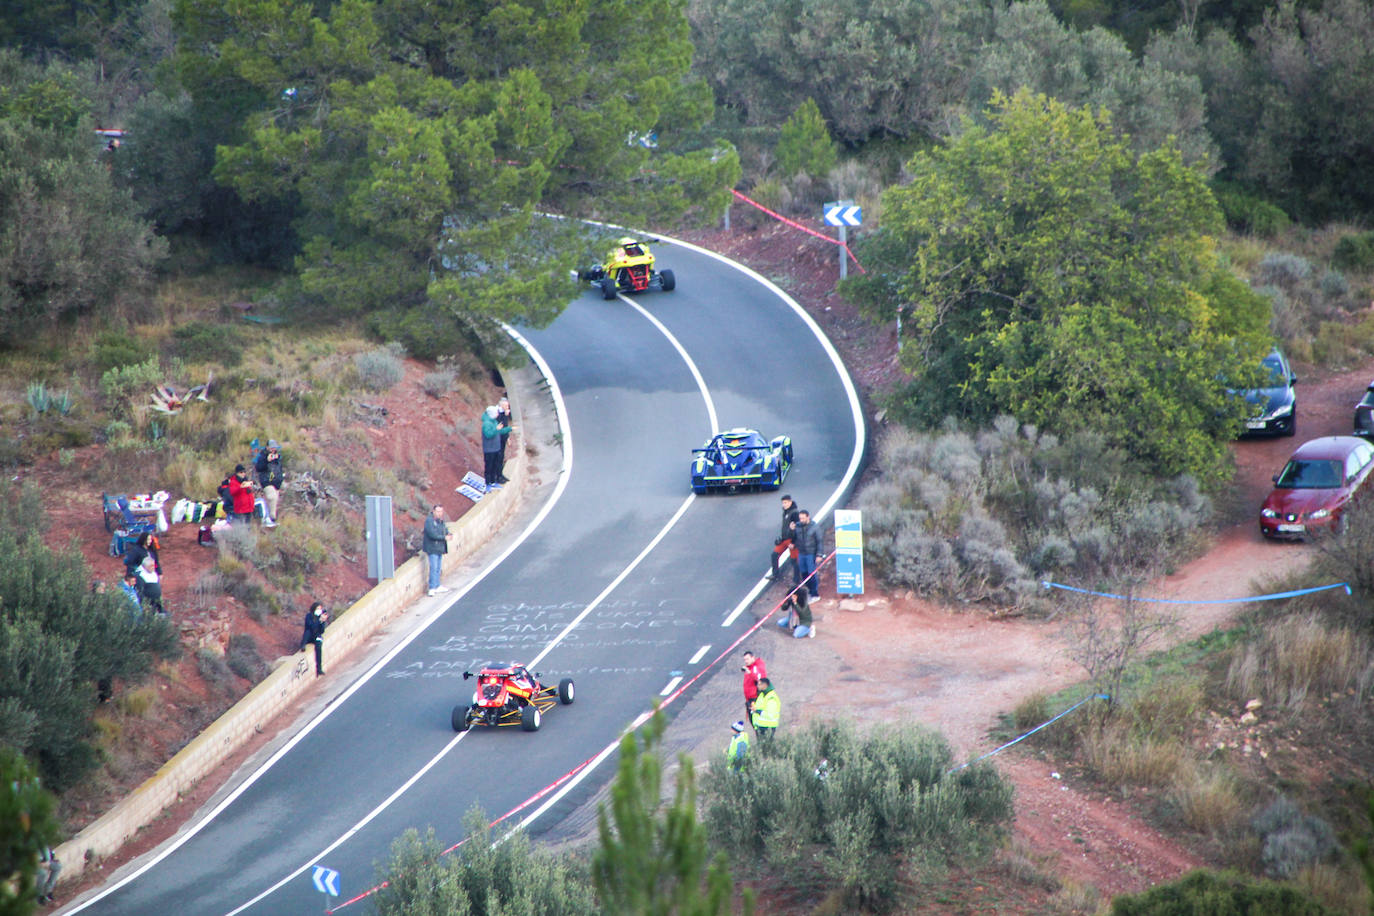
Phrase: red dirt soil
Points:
(966, 666)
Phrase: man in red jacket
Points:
(753, 669)
(241, 492)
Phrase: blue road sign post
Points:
(843, 214)
(326, 882)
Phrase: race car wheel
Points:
(565, 691)
(529, 719)
(460, 719)
(669, 281)
(608, 287)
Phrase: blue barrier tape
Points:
(1271, 597)
(1096, 696)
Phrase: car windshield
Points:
(1277, 377)
(1310, 475)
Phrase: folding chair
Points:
(130, 527)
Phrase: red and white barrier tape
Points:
(796, 225)
(639, 720)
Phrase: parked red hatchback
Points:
(1315, 486)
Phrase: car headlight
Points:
(1268, 513)
(1320, 513)
(1284, 411)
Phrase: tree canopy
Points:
(1044, 270)
(71, 243)
(57, 639)
(414, 142)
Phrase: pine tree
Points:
(653, 861)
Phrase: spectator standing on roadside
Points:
(45, 879)
(767, 714)
(492, 431)
(241, 495)
(316, 619)
(269, 473)
(753, 669)
(807, 539)
(783, 542)
(503, 419)
(798, 616)
(435, 545)
(738, 751)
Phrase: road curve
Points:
(621, 583)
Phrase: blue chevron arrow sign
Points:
(844, 214)
(326, 880)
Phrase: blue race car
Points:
(739, 458)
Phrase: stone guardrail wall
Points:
(291, 677)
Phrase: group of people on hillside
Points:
(241, 493)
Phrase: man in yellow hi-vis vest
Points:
(767, 713)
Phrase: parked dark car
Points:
(1274, 407)
(1316, 486)
(1364, 413)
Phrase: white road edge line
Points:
(670, 687)
(700, 652)
(563, 473)
(855, 459)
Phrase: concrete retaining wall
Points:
(292, 676)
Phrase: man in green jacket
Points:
(739, 746)
(767, 711)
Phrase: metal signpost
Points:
(381, 557)
(849, 552)
(843, 213)
(326, 882)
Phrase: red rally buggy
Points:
(509, 695)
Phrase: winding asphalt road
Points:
(624, 582)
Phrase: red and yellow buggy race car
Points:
(510, 695)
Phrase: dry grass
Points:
(136, 703)
(1078, 899)
(1342, 889)
(1120, 757)
(1208, 798)
(1297, 659)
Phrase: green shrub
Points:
(213, 669)
(202, 342)
(122, 381)
(1247, 212)
(985, 515)
(1211, 892)
(828, 808)
(510, 877)
(118, 348)
(1355, 252)
(380, 370)
(244, 659)
(1291, 840)
(425, 333)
